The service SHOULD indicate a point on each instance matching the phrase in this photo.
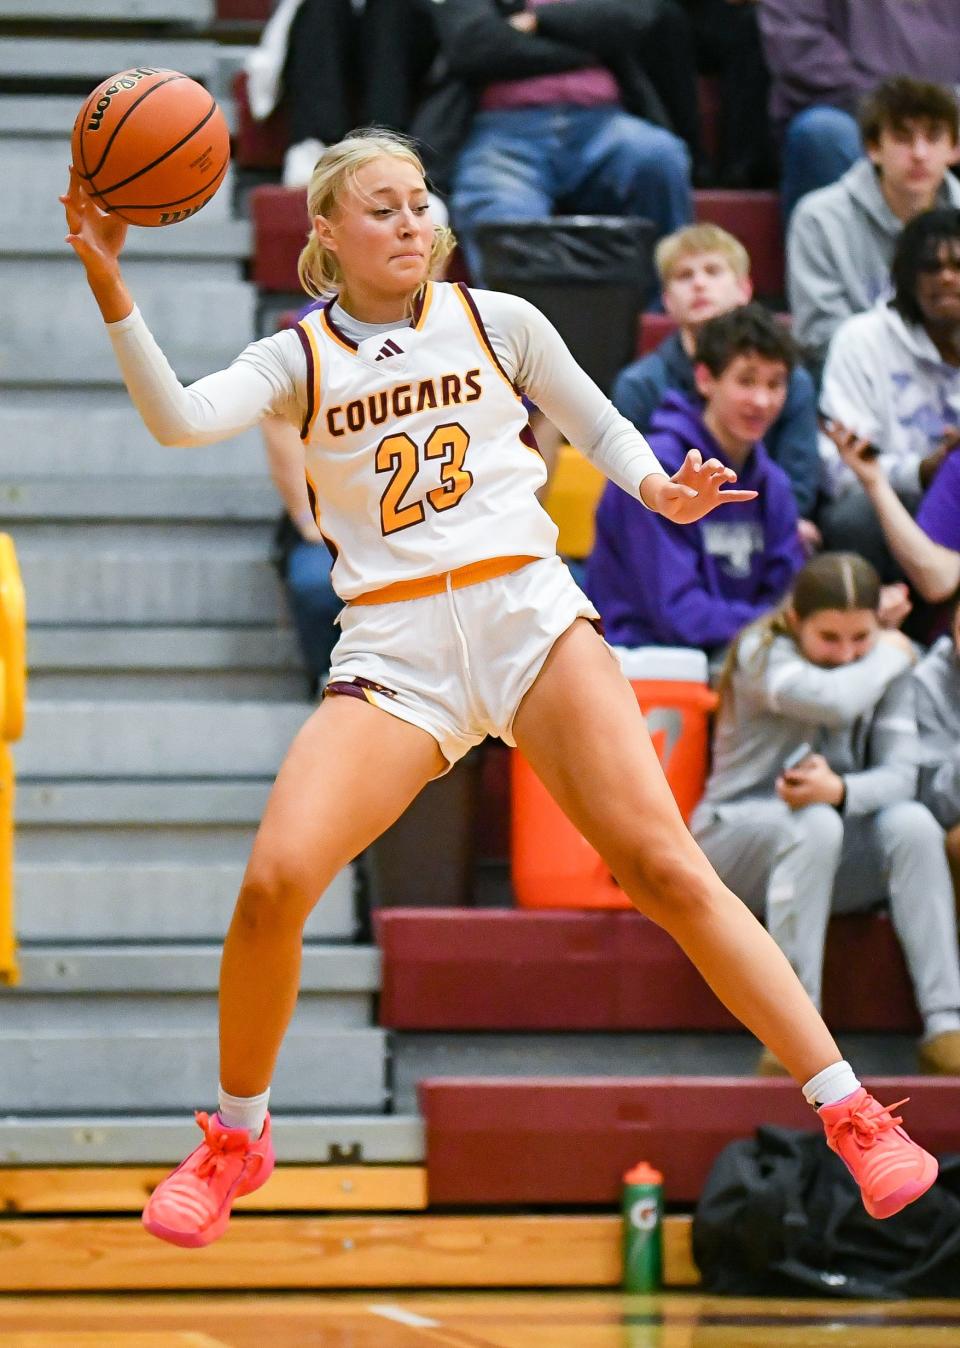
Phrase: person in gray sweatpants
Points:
(810, 808)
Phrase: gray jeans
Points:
(793, 868)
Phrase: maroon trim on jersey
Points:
(334, 327)
(483, 333)
(311, 385)
(356, 686)
(528, 438)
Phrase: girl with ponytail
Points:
(459, 621)
(810, 808)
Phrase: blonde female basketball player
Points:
(460, 621)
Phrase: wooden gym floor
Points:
(469, 1320)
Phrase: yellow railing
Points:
(13, 682)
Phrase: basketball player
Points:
(460, 621)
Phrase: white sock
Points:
(940, 1022)
(834, 1083)
(243, 1111)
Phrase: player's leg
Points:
(581, 730)
(350, 772)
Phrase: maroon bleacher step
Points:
(754, 218)
(493, 1142)
(509, 969)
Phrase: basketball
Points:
(151, 146)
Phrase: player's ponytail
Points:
(834, 580)
(335, 170)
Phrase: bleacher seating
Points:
(467, 969)
(495, 1142)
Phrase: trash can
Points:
(589, 274)
(552, 865)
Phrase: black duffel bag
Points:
(780, 1215)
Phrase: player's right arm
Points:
(267, 378)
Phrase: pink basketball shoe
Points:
(191, 1207)
(891, 1169)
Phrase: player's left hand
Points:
(695, 489)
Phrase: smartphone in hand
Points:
(798, 757)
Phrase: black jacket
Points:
(477, 46)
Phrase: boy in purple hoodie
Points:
(659, 585)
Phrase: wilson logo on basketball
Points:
(128, 80)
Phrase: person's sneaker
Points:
(940, 1055)
(769, 1065)
(191, 1207)
(299, 162)
(890, 1168)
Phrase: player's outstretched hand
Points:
(695, 489)
(96, 236)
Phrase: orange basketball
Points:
(152, 146)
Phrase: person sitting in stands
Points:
(704, 271)
(810, 806)
(826, 55)
(657, 585)
(841, 238)
(892, 380)
(928, 549)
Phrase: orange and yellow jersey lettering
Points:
(419, 456)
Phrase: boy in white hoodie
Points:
(892, 379)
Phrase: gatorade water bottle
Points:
(642, 1229)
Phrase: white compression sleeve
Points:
(536, 357)
(216, 406)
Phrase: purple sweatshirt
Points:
(662, 584)
(835, 51)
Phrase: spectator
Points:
(657, 585)
(927, 548)
(554, 111)
(937, 678)
(826, 55)
(727, 44)
(704, 271)
(810, 805)
(892, 379)
(841, 238)
(301, 554)
(319, 52)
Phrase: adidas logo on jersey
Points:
(388, 349)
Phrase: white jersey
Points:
(417, 447)
(419, 454)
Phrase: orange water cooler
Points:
(552, 865)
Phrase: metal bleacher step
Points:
(195, 13)
(575, 1056)
(169, 900)
(154, 1139)
(114, 1069)
(53, 334)
(173, 579)
(96, 432)
(173, 987)
(139, 497)
(155, 740)
(241, 663)
(92, 59)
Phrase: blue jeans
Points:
(313, 605)
(530, 163)
(819, 146)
